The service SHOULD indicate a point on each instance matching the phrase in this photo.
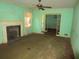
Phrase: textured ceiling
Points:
(53, 3)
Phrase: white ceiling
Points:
(53, 3)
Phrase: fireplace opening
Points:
(13, 33)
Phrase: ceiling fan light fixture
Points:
(40, 6)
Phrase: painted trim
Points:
(44, 21)
(9, 23)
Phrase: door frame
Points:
(44, 22)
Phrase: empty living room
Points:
(39, 29)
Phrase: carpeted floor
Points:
(38, 46)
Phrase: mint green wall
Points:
(12, 12)
(36, 21)
(66, 19)
(75, 32)
(51, 21)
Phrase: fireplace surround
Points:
(6, 24)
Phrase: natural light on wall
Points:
(28, 17)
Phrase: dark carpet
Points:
(38, 46)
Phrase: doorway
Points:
(52, 24)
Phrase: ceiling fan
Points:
(40, 6)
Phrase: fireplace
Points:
(13, 33)
(11, 30)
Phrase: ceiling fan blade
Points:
(40, 6)
(42, 9)
(39, 0)
(46, 6)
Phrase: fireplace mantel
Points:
(10, 23)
